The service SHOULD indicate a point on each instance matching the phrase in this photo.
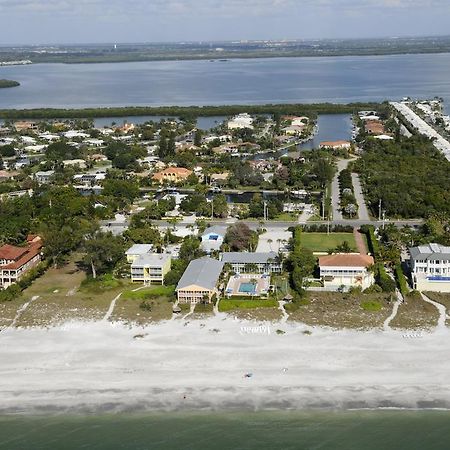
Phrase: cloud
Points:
(205, 7)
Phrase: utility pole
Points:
(384, 218)
(379, 210)
(212, 207)
(265, 210)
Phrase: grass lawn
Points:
(226, 305)
(64, 295)
(442, 298)
(336, 310)
(322, 242)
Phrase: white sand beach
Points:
(102, 366)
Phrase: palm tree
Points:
(270, 243)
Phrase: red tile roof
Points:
(9, 252)
(346, 260)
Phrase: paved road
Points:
(335, 194)
(423, 128)
(362, 207)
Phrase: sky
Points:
(97, 21)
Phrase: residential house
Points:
(150, 268)
(336, 145)
(17, 261)
(241, 121)
(374, 127)
(44, 177)
(259, 262)
(212, 238)
(172, 175)
(430, 267)
(346, 270)
(199, 281)
(6, 175)
(25, 125)
(137, 250)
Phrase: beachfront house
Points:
(199, 281)
(246, 262)
(430, 267)
(346, 270)
(212, 238)
(15, 262)
(151, 268)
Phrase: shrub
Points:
(146, 306)
(371, 305)
(401, 280)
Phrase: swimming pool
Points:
(247, 288)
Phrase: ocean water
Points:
(353, 430)
(248, 81)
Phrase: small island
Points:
(8, 84)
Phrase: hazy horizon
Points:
(64, 22)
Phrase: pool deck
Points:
(235, 282)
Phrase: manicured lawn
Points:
(149, 292)
(233, 305)
(322, 242)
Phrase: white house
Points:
(137, 250)
(240, 121)
(346, 270)
(430, 267)
(44, 177)
(212, 238)
(259, 262)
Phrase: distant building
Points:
(172, 175)
(374, 127)
(44, 177)
(212, 238)
(430, 267)
(346, 270)
(246, 262)
(150, 268)
(17, 261)
(241, 121)
(199, 281)
(25, 125)
(336, 145)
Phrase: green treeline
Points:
(410, 177)
(8, 84)
(191, 111)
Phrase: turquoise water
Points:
(366, 430)
(247, 287)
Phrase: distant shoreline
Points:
(5, 84)
(191, 111)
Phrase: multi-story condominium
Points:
(137, 250)
(17, 261)
(199, 281)
(346, 270)
(150, 268)
(245, 262)
(430, 267)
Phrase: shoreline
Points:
(201, 365)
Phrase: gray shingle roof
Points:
(203, 272)
(430, 252)
(247, 258)
(151, 260)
